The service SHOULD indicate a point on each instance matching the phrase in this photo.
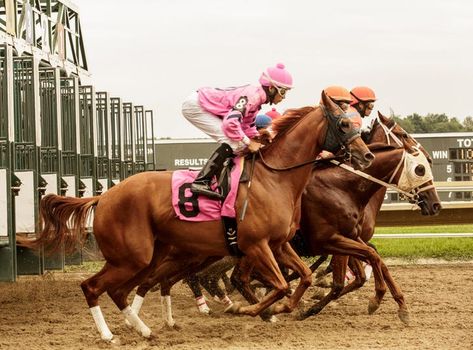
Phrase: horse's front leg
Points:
(346, 246)
(289, 258)
(397, 294)
(339, 264)
(261, 256)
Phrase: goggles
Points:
(369, 105)
(281, 90)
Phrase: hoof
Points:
(319, 294)
(273, 319)
(302, 315)
(404, 316)
(233, 309)
(373, 305)
(205, 311)
(228, 307)
(146, 332)
(173, 327)
(107, 337)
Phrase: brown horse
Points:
(135, 225)
(349, 222)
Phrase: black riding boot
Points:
(213, 167)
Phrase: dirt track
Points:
(51, 313)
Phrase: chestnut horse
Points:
(135, 225)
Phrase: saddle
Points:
(190, 206)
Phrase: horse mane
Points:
(289, 118)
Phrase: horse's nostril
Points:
(369, 156)
(437, 206)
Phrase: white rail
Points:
(423, 235)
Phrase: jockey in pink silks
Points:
(228, 116)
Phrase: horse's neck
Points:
(381, 168)
(300, 144)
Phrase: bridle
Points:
(413, 194)
(335, 129)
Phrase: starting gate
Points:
(56, 135)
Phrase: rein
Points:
(315, 160)
(373, 179)
(413, 195)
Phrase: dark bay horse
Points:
(356, 215)
(338, 207)
(135, 225)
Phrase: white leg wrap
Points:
(136, 307)
(202, 305)
(227, 302)
(368, 271)
(137, 303)
(136, 322)
(99, 320)
(167, 310)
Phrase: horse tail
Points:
(63, 221)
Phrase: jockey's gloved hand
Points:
(254, 146)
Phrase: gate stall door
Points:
(69, 137)
(50, 145)
(140, 139)
(103, 142)
(116, 126)
(128, 164)
(25, 156)
(88, 147)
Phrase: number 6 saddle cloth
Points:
(193, 207)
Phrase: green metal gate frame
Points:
(7, 247)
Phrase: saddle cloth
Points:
(190, 206)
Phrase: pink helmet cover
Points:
(276, 76)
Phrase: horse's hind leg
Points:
(194, 284)
(110, 277)
(117, 281)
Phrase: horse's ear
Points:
(328, 103)
(382, 116)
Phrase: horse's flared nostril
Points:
(437, 207)
(369, 156)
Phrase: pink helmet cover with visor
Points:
(276, 76)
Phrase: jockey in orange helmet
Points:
(363, 99)
(341, 96)
(228, 116)
(343, 99)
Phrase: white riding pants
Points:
(207, 122)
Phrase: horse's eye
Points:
(420, 170)
(344, 125)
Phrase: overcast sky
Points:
(417, 55)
